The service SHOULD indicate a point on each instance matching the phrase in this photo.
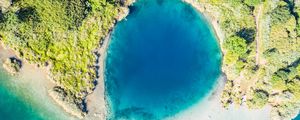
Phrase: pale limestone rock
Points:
(4, 5)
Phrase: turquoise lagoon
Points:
(161, 60)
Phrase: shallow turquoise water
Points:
(162, 59)
(297, 117)
(17, 102)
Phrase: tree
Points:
(236, 45)
(247, 33)
(259, 100)
(252, 2)
(280, 14)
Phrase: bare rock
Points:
(13, 65)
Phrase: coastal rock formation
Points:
(12, 65)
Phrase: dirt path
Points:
(246, 84)
(257, 38)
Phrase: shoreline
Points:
(213, 99)
(213, 24)
(44, 72)
(98, 110)
(92, 99)
(210, 108)
(35, 77)
(211, 19)
(95, 101)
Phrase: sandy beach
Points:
(96, 103)
(37, 79)
(41, 85)
(210, 108)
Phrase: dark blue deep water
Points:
(162, 59)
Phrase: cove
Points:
(162, 59)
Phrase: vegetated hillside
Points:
(60, 34)
(261, 53)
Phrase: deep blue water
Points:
(162, 59)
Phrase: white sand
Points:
(210, 108)
(32, 84)
(96, 103)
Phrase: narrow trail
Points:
(245, 85)
(257, 38)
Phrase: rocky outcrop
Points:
(12, 65)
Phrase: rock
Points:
(124, 11)
(4, 5)
(13, 65)
(68, 104)
(127, 2)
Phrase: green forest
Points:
(261, 49)
(61, 35)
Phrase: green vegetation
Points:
(61, 34)
(280, 14)
(252, 2)
(261, 53)
(259, 99)
(287, 79)
(236, 48)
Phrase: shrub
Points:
(235, 46)
(248, 34)
(259, 100)
(252, 2)
(28, 14)
(280, 14)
